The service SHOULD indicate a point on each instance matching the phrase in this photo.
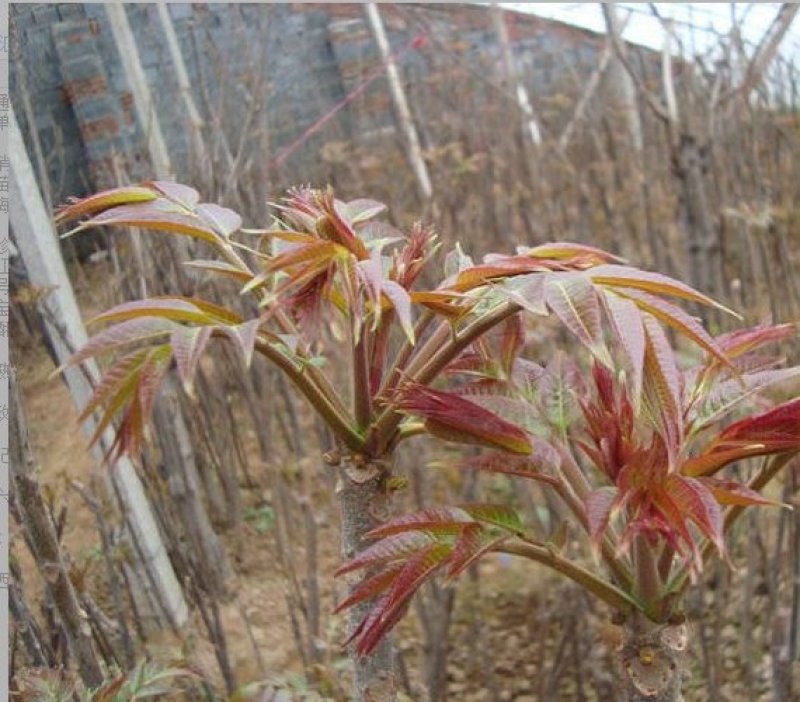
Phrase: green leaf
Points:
(103, 200)
(175, 308)
(498, 515)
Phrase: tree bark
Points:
(140, 90)
(364, 501)
(651, 661)
(184, 84)
(530, 123)
(45, 543)
(696, 216)
(621, 82)
(179, 460)
(410, 136)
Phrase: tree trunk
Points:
(184, 84)
(143, 102)
(651, 661)
(410, 136)
(364, 501)
(45, 543)
(621, 82)
(696, 216)
(180, 466)
(530, 123)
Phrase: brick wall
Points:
(294, 60)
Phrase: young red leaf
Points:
(726, 395)
(446, 303)
(662, 515)
(525, 376)
(675, 317)
(244, 336)
(151, 374)
(434, 519)
(737, 343)
(626, 324)
(497, 515)
(138, 391)
(475, 276)
(697, 503)
(493, 395)
(363, 209)
(188, 345)
(574, 301)
(220, 268)
(709, 463)
(455, 418)
(370, 271)
(558, 391)
(318, 252)
(568, 250)
(410, 261)
(473, 542)
(113, 380)
(392, 548)
(372, 616)
(370, 587)
(730, 492)
(333, 225)
(128, 332)
(617, 276)
(775, 431)
(527, 291)
(512, 341)
(543, 457)
(661, 386)
(416, 571)
(599, 504)
(778, 429)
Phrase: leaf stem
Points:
(575, 505)
(362, 402)
(435, 356)
(648, 583)
(603, 590)
(393, 374)
(337, 421)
